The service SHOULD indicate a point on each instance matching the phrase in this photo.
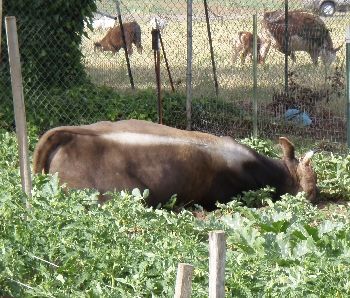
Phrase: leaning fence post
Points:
(348, 83)
(211, 48)
(166, 63)
(156, 52)
(189, 67)
(18, 102)
(183, 287)
(217, 259)
(125, 47)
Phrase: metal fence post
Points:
(166, 62)
(156, 52)
(211, 48)
(189, 66)
(348, 83)
(286, 46)
(255, 79)
(125, 47)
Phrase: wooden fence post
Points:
(183, 286)
(217, 259)
(18, 102)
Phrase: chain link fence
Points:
(315, 100)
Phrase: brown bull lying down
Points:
(113, 40)
(200, 168)
(306, 31)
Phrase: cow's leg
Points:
(292, 56)
(236, 50)
(129, 45)
(243, 55)
(139, 47)
(264, 49)
(130, 50)
(314, 57)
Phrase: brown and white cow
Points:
(200, 168)
(243, 45)
(113, 40)
(306, 31)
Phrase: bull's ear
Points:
(287, 148)
(307, 158)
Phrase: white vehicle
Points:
(327, 8)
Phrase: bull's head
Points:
(304, 177)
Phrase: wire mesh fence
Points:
(313, 107)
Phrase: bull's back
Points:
(127, 154)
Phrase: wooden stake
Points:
(217, 259)
(183, 286)
(18, 102)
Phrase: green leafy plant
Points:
(67, 244)
(333, 173)
(265, 147)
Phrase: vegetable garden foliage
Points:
(66, 245)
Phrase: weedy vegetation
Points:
(66, 245)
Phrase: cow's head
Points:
(103, 46)
(303, 176)
(97, 46)
(328, 55)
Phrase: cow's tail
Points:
(137, 38)
(240, 36)
(46, 145)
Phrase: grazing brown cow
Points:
(113, 40)
(200, 168)
(306, 32)
(243, 45)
